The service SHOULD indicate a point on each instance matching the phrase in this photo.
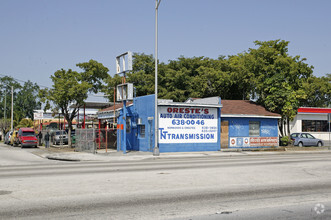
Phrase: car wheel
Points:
(319, 144)
(300, 144)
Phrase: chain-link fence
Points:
(85, 140)
(90, 140)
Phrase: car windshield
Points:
(60, 133)
(28, 133)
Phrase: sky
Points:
(39, 37)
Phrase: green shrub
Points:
(284, 141)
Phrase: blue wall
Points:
(143, 108)
(239, 127)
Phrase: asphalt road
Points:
(286, 186)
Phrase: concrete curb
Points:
(62, 159)
(111, 157)
(114, 156)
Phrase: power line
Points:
(24, 81)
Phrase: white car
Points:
(7, 137)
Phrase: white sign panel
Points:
(187, 125)
(125, 92)
(233, 142)
(37, 115)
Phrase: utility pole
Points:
(12, 108)
(5, 116)
(156, 151)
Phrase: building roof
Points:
(117, 106)
(314, 110)
(94, 105)
(245, 108)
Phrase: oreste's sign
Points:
(188, 125)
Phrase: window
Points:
(254, 128)
(128, 124)
(315, 126)
(142, 131)
(28, 133)
(304, 136)
(310, 136)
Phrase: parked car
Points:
(59, 136)
(305, 139)
(7, 137)
(26, 137)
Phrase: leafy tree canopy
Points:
(71, 88)
(267, 73)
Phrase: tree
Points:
(5, 90)
(27, 100)
(4, 126)
(278, 79)
(25, 123)
(268, 74)
(318, 90)
(70, 88)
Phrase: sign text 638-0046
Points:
(188, 125)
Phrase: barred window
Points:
(315, 126)
(142, 131)
(128, 124)
(254, 128)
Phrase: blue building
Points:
(183, 127)
(245, 124)
(207, 124)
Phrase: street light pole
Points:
(156, 151)
(12, 108)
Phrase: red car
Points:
(26, 137)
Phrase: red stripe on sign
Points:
(314, 110)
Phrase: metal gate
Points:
(93, 139)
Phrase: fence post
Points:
(99, 133)
(106, 137)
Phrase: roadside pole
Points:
(329, 119)
(12, 108)
(156, 151)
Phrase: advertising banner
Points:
(188, 125)
(253, 141)
(264, 141)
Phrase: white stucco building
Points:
(313, 120)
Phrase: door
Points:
(224, 134)
(304, 139)
(150, 141)
(311, 140)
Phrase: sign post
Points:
(125, 90)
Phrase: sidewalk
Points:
(68, 154)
